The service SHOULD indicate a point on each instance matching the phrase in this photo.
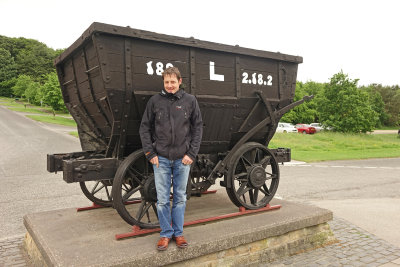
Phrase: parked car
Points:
(318, 127)
(305, 129)
(284, 127)
(323, 127)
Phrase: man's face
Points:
(171, 83)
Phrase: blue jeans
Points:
(171, 221)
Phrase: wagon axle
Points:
(257, 176)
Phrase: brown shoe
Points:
(163, 243)
(180, 241)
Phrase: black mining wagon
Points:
(108, 75)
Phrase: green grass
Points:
(74, 133)
(28, 110)
(25, 106)
(53, 120)
(337, 146)
(10, 103)
(61, 113)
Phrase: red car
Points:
(305, 129)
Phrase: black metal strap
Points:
(268, 105)
(128, 99)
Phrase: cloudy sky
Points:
(362, 38)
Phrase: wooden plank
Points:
(116, 79)
(80, 68)
(221, 59)
(97, 83)
(111, 43)
(115, 62)
(153, 66)
(72, 94)
(207, 87)
(160, 50)
(85, 91)
(142, 82)
(253, 63)
(68, 72)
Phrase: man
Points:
(170, 132)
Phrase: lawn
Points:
(338, 146)
(74, 133)
(9, 102)
(25, 106)
(27, 110)
(53, 120)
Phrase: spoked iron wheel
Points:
(99, 192)
(134, 183)
(254, 175)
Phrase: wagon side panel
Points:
(82, 85)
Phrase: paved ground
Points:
(356, 247)
(11, 253)
(26, 186)
(363, 193)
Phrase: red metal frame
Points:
(96, 206)
(137, 231)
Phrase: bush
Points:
(346, 108)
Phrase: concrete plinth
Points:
(69, 238)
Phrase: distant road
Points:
(385, 132)
(26, 186)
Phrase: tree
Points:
(391, 98)
(50, 92)
(31, 93)
(306, 112)
(6, 87)
(345, 107)
(377, 104)
(8, 68)
(31, 57)
(20, 86)
(36, 61)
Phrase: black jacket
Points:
(171, 126)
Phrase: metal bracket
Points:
(115, 133)
(268, 105)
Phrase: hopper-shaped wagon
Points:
(107, 77)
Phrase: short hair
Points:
(172, 71)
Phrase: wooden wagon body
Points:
(110, 72)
